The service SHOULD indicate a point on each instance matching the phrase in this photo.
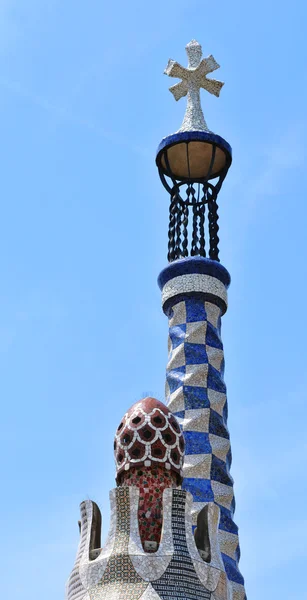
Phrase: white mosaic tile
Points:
(215, 357)
(213, 523)
(196, 375)
(176, 401)
(223, 494)
(220, 446)
(92, 571)
(213, 313)
(197, 466)
(196, 507)
(196, 332)
(195, 282)
(150, 594)
(217, 401)
(207, 574)
(150, 567)
(167, 393)
(179, 314)
(238, 591)
(228, 543)
(196, 420)
(177, 358)
(223, 590)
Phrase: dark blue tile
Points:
(195, 397)
(199, 488)
(213, 337)
(174, 378)
(180, 414)
(226, 521)
(215, 381)
(219, 472)
(231, 569)
(217, 425)
(195, 354)
(177, 335)
(195, 309)
(197, 442)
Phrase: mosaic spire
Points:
(172, 534)
(193, 164)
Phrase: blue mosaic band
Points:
(194, 297)
(193, 136)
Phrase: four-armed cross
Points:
(193, 78)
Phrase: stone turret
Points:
(150, 552)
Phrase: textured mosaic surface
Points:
(151, 482)
(196, 393)
(123, 571)
(148, 434)
(151, 566)
(180, 579)
(74, 588)
(120, 579)
(193, 78)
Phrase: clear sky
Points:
(83, 106)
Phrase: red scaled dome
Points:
(149, 435)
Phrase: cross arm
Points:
(207, 65)
(179, 90)
(174, 69)
(213, 86)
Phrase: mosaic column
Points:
(194, 297)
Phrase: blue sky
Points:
(83, 105)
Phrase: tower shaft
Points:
(194, 292)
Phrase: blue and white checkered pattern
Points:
(196, 394)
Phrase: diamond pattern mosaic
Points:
(196, 394)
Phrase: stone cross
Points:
(193, 78)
